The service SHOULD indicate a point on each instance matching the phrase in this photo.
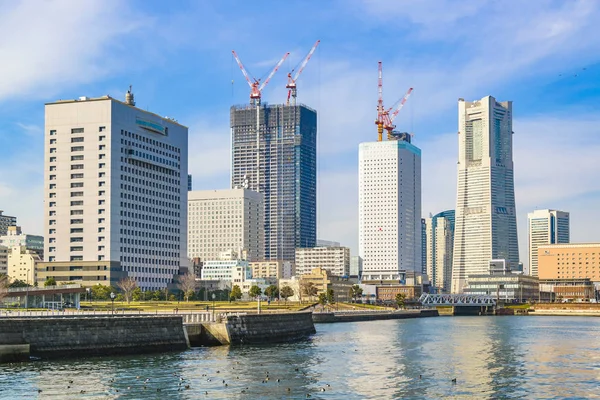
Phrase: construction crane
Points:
(385, 120)
(256, 87)
(291, 85)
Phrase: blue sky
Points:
(542, 55)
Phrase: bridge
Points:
(457, 300)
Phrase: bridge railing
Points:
(473, 300)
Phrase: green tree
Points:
(322, 299)
(356, 292)
(101, 292)
(236, 293)
(330, 296)
(137, 294)
(308, 289)
(17, 283)
(272, 291)
(3, 286)
(286, 292)
(400, 297)
(50, 281)
(255, 291)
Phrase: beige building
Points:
(277, 269)
(336, 260)
(22, 264)
(323, 280)
(223, 220)
(569, 261)
(86, 273)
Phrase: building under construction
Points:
(284, 170)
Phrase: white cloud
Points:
(209, 153)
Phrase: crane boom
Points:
(305, 61)
(273, 72)
(402, 102)
(291, 85)
(239, 62)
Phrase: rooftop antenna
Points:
(129, 97)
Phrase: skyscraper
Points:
(439, 243)
(389, 209)
(486, 222)
(115, 193)
(284, 171)
(545, 227)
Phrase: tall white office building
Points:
(545, 227)
(389, 209)
(115, 193)
(223, 220)
(439, 244)
(486, 221)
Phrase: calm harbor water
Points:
(490, 357)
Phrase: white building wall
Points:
(389, 209)
(486, 226)
(545, 227)
(334, 259)
(115, 188)
(227, 219)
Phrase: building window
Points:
(51, 258)
(52, 195)
(52, 231)
(101, 202)
(102, 147)
(76, 239)
(76, 194)
(52, 133)
(102, 156)
(77, 139)
(100, 248)
(52, 159)
(101, 211)
(52, 177)
(101, 174)
(76, 176)
(52, 240)
(77, 130)
(52, 213)
(53, 186)
(52, 222)
(52, 204)
(101, 229)
(101, 193)
(53, 168)
(52, 141)
(77, 203)
(76, 258)
(101, 165)
(76, 148)
(76, 166)
(77, 221)
(53, 150)
(76, 184)
(76, 230)
(77, 158)
(101, 129)
(76, 212)
(101, 183)
(76, 248)
(101, 258)
(101, 220)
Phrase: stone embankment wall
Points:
(574, 309)
(252, 329)
(50, 337)
(371, 316)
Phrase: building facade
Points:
(283, 167)
(222, 220)
(506, 287)
(327, 243)
(15, 237)
(569, 261)
(22, 264)
(275, 269)
(3, 260)
(389, 209)
(545, 227)
(356, 267)
(439, 245)
(5, 222)
(336, 260)
(323, 280)
(486, 222)
(115, 194)
(235, 271)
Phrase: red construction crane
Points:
(385, 120)
(291, 85)
(256, 87)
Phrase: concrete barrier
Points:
(50, 337)
(320, 318)
(14, 352)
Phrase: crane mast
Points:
(291, 84)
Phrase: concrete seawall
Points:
(52, 337)
(320, 318)
(253, 329)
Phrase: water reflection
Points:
(490, 357)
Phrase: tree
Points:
(3, 286)
(356, 292)
(400, 297)
(127, 286)
(236, 293)
(308, 289)
(50, 281)
(255, 291)
(137, 294)
(286, 292)
(101, 292)
(187, 283)
(272, 291)
(322, 299)
(17, 283)
(330, 296)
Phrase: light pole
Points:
(112, 298)
(88, 294)
(213, 299)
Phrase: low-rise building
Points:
(388, 293)
(86, 273)
(334, 259)
(22, 264)
(323, 280)
(569, 289)
(277, 269)
(506, 286)
(569, 261)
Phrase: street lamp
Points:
(112, 298)
(88, 294)
(213, 299)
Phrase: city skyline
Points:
(545, 68)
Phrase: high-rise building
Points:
(190, 182)
(3, 260)
(424, 247)
(545, 227)
(439, 242)
(356, 267)
(223, 220)
(334, 259)
(5, 222)
(486, 220)
(284, 169)
(115, 193)
(15, 237)
(389, 210)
